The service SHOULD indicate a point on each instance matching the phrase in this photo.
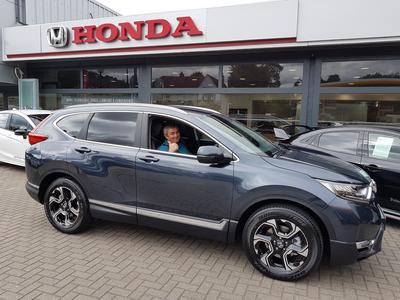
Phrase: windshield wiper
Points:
(277, 151)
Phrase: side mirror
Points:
(281, 134)
(210, 155)
(22, 131)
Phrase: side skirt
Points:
(203, 228)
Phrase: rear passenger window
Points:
(3, 120)
(344, 142)
(117, 128)
(72, 124)
(383, 146)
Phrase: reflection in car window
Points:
(3, 120)
(383, 146)
(345, 142)
(17, 121)
(36, 119)
(113, 127)
(72, 124)
(241, 135)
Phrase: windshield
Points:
(241, 135)
(36, 119)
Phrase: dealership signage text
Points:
(150, 29)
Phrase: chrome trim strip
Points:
(169, 153)
(131, 105)
(33, 185)
(364, 244)
(120, 207)
(203, 223)
(196, 109)
(392, 214)
(101, 143)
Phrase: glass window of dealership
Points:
(262, 94)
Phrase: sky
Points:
(135, 7)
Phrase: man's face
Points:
(173, 135)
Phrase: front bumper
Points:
(347, 253)
(361, 237)
(33, 191)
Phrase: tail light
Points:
(33, 137)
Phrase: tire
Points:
(283, 242)
(66, 206)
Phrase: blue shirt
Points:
(182, 148)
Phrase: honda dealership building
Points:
(282, 62)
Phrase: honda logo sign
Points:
(57, 36)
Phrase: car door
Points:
(4, 136)
(178, 193)
(18, 144)
(381, 159)
(345, 144)
(103, 159)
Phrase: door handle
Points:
(372, 168)
(149, 159)
(83, 150)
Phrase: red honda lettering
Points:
(128, 29)
(84, 34)
(186, 24)
(101, 32)
(152, 29)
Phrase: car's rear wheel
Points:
(283, 242)
(66, 206)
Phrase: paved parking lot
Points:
(117, 261)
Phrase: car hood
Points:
(319, 166)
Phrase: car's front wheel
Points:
(66, 206)
(283, 242)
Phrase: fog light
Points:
(364, 244)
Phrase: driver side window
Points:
(190, 138)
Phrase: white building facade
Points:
(28, 12)
(266, 64)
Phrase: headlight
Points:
(354, 192)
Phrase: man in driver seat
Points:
(172, 140)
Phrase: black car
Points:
(288, 208)
(376, 149)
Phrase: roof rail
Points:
(196, 109)
(168, 107)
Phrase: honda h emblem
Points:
(57, 36)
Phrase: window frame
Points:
(105, 89)
(55, 124)
(85, 129)
(358, 142)
(83, 133)
(145, 140)
(21, 116)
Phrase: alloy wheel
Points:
(281, 245)
(64, 206)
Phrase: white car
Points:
(14, 128)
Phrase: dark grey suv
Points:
(289, 208)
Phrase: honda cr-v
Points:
(288, 207)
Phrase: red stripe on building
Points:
(151, 48)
